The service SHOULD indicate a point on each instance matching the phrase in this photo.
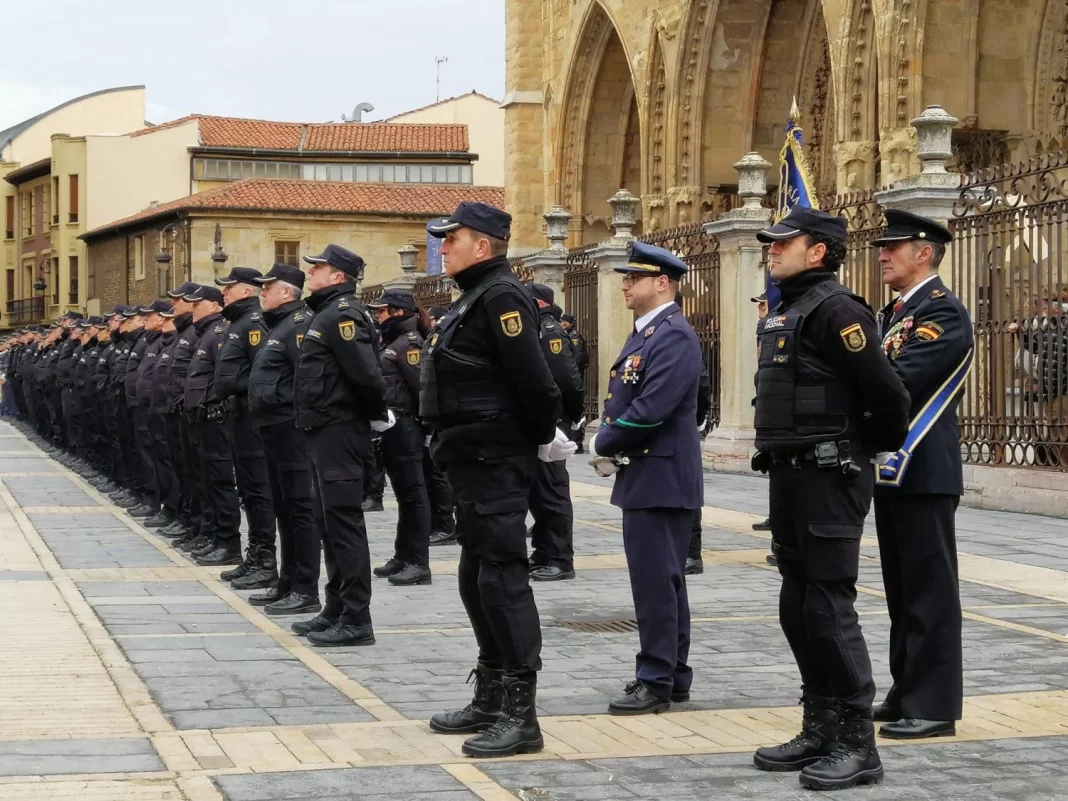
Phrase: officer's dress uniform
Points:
(244, 338)
(339, 391)
(649, 414)
(270, 401)
(927, 336)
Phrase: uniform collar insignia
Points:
(649, 331)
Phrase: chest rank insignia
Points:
(254, 337)
(298, 317)
(512, 324)
(347, 329)
(938, 293)
(218, 329)
(853, 338)
(300, 338)
(556, 345)
(649, 330)
(413, 357)
(342, 304)
(255, 316)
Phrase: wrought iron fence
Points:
(861, 272)
(25, 311)
(371, 293)
(700, 292)
(526, 274)
(580, 299)
(1009, 268)
(433, 290)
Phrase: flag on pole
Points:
(796, 187)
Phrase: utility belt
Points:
(236, 403)
(825, 455)
(214, 412)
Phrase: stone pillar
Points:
(409, 255)
(549, 265)
(614, 320)
(741, 277)
(934, 191)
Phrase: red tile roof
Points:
(373, 137)
(328, 197)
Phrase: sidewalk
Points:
(130, 674)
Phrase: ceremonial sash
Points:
(892, 473)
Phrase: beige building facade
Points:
(662, 97)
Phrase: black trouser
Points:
(219, 509)
(338, 454)
(164, 462)
(439, 493)
(374, 476)
(492, 501)
(253, 485)
(184, 467)
(694, 551)
(817, 517)
(290, 473)
(55, 415)
(918, 552)
(146, 458)
(554, 519)
(655, 542)
(402, 456)
(131, 458)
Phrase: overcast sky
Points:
(303, 61)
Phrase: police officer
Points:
(827, 401)
(648, 430)
(151, 434)
(270, 404)
(110, 454)
(403, 327)
(244, 338)
(552, 535)
(582, 361)
(144, 473)
(488, 394)
(339, 400)
(219, 537)
(927, 336)
(130, 331)
(694, 561)
(442, 515)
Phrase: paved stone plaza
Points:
(129, 674)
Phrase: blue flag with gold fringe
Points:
(796, 187)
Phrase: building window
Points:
(55, 200)
(11, 285)
(286, 252)
(27, 213)
(73, 295)
(9, 216)
(205, 169)
(139, 258)
(52, 268)
(73, 217)
(46, 204)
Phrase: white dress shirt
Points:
(645, 319)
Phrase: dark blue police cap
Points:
(479, 217)
(160, 307)
(208, 293)
(904, 225)
(568, 318)
(286, 273)
(131, 311)
(340, 259)
(801, 220)
(647, 259)
(542, 292)
(97, 322)
(397, 298)
(182, 291)
(117, 310)
(240, 275)
(72, 315)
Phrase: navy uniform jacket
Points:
(926, 340)
(649, 416)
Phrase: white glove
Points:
(883, 457)
(580, 424)
(558, 450)
(384, 425)
(593, 447)
(603, 466)
(426, 442)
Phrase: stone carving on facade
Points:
(654, 213)
(684, 202)
(903, 49)
(657, 121)
(858, 66)
(1051, 77)
(693, 64)
(898, 151)
(815, 100)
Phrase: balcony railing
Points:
(25, 311)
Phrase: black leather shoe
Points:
(194, 544)
(157, 521)
(819, 730)
(239, 571)
(220, 556)
(174, 530)
(443, 538)
(208, 545)
(110, 486)
(884, 713)
(293, 604)
(763, 525)
(772, 559)
(390, 568)
(694, 567)
(130, 502)
(916, 729)
(144, 510)
(303, 628)
(854, 760)
(551, 573)
(638, 699)
(372, 505)
(680, 696)
(517, 731)
(342, 635)
(257, 578)
(484, 709)
(268, 596)
(411, 576)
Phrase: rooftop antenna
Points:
(439, 60)
(358, 112)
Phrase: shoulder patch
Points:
(413, 356)
(347, 329)
(556, 345)
(512, 324)
(929, 331)
(853, 338)
(254, 337)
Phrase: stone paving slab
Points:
(57, 757)
(429, 783)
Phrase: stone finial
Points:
(557, 220)
(934, 132)
(624, 213)
(752, 180)
(408, 255)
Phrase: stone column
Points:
(934, 191)
(409, 255)
(549, 265)
(614, 320)
(741, 277)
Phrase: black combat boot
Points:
(517, 732)
(243, 569)
(484, 709)
(854, 759)
(263, 572)
(819, 729)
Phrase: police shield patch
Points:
(413, 357)
(853, 338)
(556, 345)
(512, 324)
(254, 337)
(347, 329)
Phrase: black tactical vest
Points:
(800, 402)
(456, 388)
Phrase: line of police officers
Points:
(164, 400)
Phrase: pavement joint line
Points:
(478, 782)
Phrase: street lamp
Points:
(40, 285)
(164, 258)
